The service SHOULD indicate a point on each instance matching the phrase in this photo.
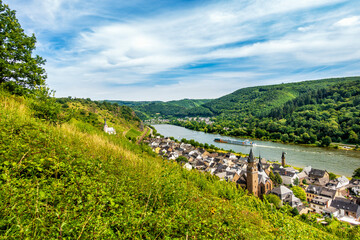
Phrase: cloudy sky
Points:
(165, 50)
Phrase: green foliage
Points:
(16, 61)
(132, 133)
(272, 177)
(273, 199)
(296, 181)
(294, 212)
(278, 178)
(299, 193)
(332, 176)
(325, 141)
(179, 108)
(356, 173)
(321, 111)
(182, 159)
(63, 182)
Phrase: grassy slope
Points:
(64, 182)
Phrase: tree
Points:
(272, 198)
(17, 65)
(294, 212)
(356, 173)
(299, 192)
(353, 137)
(325, 141)
(272, 177)
(278, 179)
(296, 181)
(182, 159)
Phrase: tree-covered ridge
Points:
(258, 101)
(321, 114)
(176, 108)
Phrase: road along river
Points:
(340, 162)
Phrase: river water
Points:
(340, 162)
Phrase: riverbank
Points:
(339, 162)
(339, 146)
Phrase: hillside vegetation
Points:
(176, 108)
(310, 112)
(63, 177)
(71, 180)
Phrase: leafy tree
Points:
(272, 198)
(353, 137)
(17, 65)
(304, 181)
(325, 141)
(294, 212)
(299, 192)
(278, 179)
(356, 173)
(182, 159)
(272, 177)
(296, 181)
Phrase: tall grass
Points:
(59, 181)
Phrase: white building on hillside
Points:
(109, 130)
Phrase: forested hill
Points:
(310, 112)
(259, 101)
(178, 108)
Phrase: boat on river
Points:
(237, 142)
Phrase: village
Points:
(327, 197)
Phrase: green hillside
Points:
(176, 108)
(63, 177)
(312, 112)
(68, 179)
(258, 101)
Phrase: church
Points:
(109, 130)
(254, 178)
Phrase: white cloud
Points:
(349, 21)
(137, 50)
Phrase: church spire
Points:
(251, 156)
(260, 167)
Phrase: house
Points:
(346, 208)
(288, 176)
(340, 185)
(318, 177)
(304, 173)
(319, 197)
(354, 186)
(282, 192)
(313, 191)
(286, 196)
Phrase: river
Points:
(340, 162)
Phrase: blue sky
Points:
(166, 50)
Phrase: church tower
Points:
(252, 179)
(105, 125)
(283, 159)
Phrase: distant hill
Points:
(176, 108)
(319, 111)
(259, 101)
